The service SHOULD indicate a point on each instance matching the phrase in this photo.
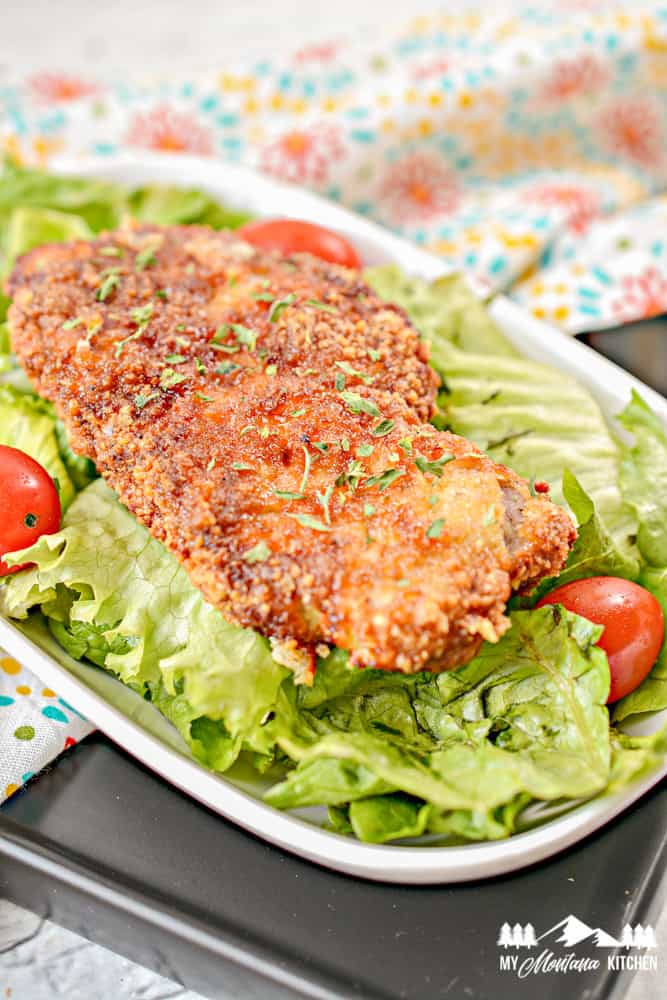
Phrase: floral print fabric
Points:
(512, 145)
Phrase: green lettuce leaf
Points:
(170, 206)
(113, 591)
(101, 204)
(526, 716)
(29, 227)
(388, 817)
(27, 423)
(644, 478)
(444, 310)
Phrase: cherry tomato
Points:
(29, 504)
(634, 625)
(294, 236)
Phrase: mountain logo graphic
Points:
(571, 931)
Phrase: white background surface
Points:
(149, 38)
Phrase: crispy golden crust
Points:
(242, 451)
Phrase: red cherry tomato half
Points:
(294, 236)
(29, 504)
(634, 625)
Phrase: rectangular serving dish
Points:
(237, 795)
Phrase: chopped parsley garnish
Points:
(323, 500)
(352, 475)
(169, 378)
(110, 280)
(435, 467)
(69, 324)
(316, 304)
(383, 428)
(298, 413)
(200, 366)
(146, 257)
(241, 467)
(373, 354)
(245, 336)
(141, 400)
(161, 293)
(433, 499)
(176, 359)
(258, 553)
(385, 479)
(203, 398)
(321, 446)
(364, 450)
(271, 370)
(308, 459)
(262, 296)
(211, 465)
(226, 367)
(180, 327)
(369, 510)
(357, 404)
(405, 444)
(354, 373)
(435, 528)
(110, 251)
(490, 516)
(141, 316)
(279, 307)
(345, 444)
(286, 495)
(339, 382)
(306, 521)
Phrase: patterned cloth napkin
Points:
(527, 149)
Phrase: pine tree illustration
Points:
(505, 936)
(639, 936)
(529, 939)
(517, 936)
(627, 937)
(649, 938)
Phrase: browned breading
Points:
(264, 418)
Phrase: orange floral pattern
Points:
(168, 130)
(303, 155)
(633, 127)
(568, 78)
(417, 187)
(56, 88)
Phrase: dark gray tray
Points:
(104, 847)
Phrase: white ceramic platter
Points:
(238, 798)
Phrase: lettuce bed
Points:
(460, 755)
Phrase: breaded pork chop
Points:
(263, 417)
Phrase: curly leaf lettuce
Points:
(114, 594)
(102, 204)
(644, 478)
(525, 719)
